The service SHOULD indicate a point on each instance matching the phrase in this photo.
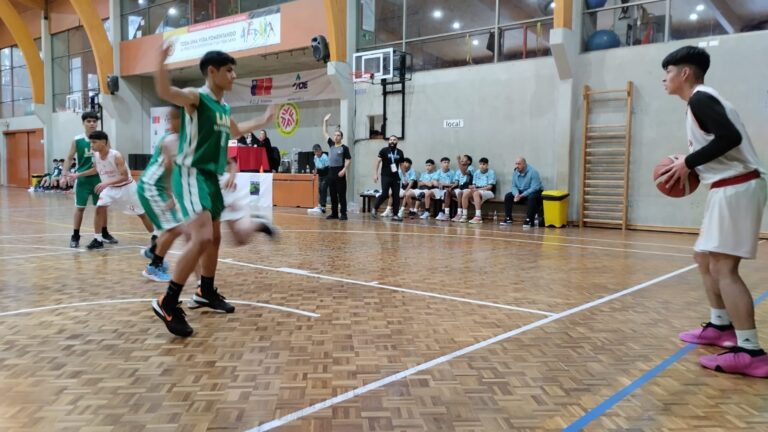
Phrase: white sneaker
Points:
(424, 215)
(400, 213)
(387, 213)
(476, 220)
(315, 210)
(442, 217)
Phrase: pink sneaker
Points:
(738, 360)
(709, 335)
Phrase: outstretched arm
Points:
(182, 97)
(237, 129)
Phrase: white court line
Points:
(66, 251)
(494, 238)
(377, 285)
(266, 305)
(532, 234)
(38, 247)
(63, 234)
(400, 375)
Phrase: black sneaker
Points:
(109, 239)
(343, 217)
(74, 241)
(95, 244)
(506, 222)
(332, 216)
(175, 322)
(265, 227)
(214, 301)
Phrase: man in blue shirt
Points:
(461, 182)
(322, 167)
(481, 190)
(423, 186)
(441, 183)
(526, 189)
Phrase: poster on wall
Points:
(287, 119)
(159, 124)
(259, 187)
(291, 87)
(229, 34)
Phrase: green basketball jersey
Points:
(204, 135)
(155, 173)
(84, 153)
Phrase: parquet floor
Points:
(362, 326)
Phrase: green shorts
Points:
(197, 191)
(154, 200)
(84, 188)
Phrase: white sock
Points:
(719, 316)
(478, 214)
(389, 208)
(747, 339)
(99, 237)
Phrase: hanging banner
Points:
(291, 87)
(159, 124)
(287, 119)
(233, 33)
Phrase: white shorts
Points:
(456, 191)
(123, 198)
(438, 193)
(237, 203)
(418, 193)
(486, 195)
(402, 193)
(732, 219)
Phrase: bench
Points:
(495, 204)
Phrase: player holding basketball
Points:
(205, 132)
(724, 158)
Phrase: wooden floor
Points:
(363, 326)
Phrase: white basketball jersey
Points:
(739, 160)
(108, 170)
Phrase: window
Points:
(15, 85)
(75, 78)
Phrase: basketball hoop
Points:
(362, 77)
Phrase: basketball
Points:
(679, 190)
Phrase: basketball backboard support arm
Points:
(392, 68)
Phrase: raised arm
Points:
(248, 126)
(325, 126)
(188, 97)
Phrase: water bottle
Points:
(308, 171)
(352, 207)
(495, 217)
(536, 221)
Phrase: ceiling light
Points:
(456, 25)
(172, 11)
(693, 17)
(141, 2)
(700, 7)
(475, 42)
(437, 14)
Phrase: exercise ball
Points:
(603, 39)
(594, 4)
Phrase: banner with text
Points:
(233, 33)
(283, 88)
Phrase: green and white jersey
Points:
(83, 153)
(154, 173)
(204, 135)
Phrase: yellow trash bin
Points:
(555, 208)
(36, 179)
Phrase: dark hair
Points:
(445, 159)
(469, 158)
(265, 132)
(408, 160)
(317, 147)
(692, 56)
(89, 115)
(98, 135)
(339, 131)
(483, 160)
(430, 161)
(217, 59)
(55, 160)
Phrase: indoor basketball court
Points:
(338, 327)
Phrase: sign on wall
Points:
(291, 87)
(259, 187)
(233, 33)
(159, 124)
(287, 119)
(457, 123)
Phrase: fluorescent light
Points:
(172, 11)
(700, 7)
(437, 14)
(456, 25)
(693, 17)
(475, 42)
(141, 2)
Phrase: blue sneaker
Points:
(156, 274)
(146, 253)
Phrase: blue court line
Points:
(607, 404)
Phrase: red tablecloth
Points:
(249, 158)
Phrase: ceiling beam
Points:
(37, 4)
(725, 15)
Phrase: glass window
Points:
(693, 19)
(168, 16)
(627, 26)
(61, 75)
(5, 58)
(515, 11)
(60, 44)
(78, 40)
(17, 57)
(434, 17)
(527, 41)
(74, 71)
(21, 78)
(226, 8)
(451, 51)
(23, 107)
(251, 5)
(380, 22)
(202, 11)
(134, 25)
(6, 109)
